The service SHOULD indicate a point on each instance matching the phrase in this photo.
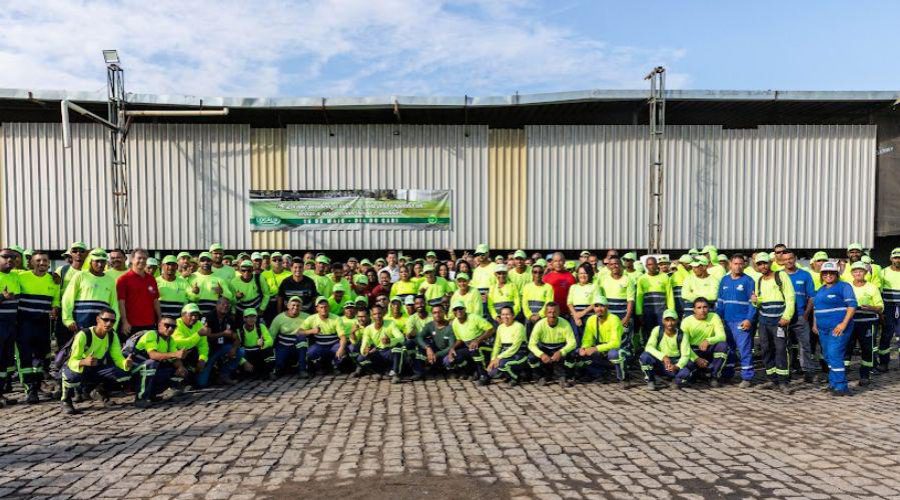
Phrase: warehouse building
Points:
(569, 171)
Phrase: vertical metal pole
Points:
(116, 93)
(657, 105)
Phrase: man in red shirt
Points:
(138, 296)
(559, 278)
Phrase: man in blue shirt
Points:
(738, 315)
(798, 330)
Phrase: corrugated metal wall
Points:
(268, 170)
(733, 188)
(394, 156)
(507, 184)
(189, 185)
(52, 195)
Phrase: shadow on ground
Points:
(407, 486)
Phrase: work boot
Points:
(226, 380)
(395, 379)
(32, 398)
(513, 382)
(714, 383)
(484, 381)
(651, 386)
(69, 408)
(143, 403)
(358, 372)
(809, 378)
(543, 381)
(745, 384)
(416, 377)
(864, 382)
(303, 374)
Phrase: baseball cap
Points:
(340, 287)
(722, 258)
(349, 303)
(600, 299)
(183, 254)
(427, 268)
(693, 251)
(396, 298)
(276, 255)
(152, 262)
(585, 253)
(498, 259)
(295, 299)
(79, 245)
(256, 256)
(895, 252)
(323, 259)
(98, 254)
(685, 259)
(190, 308)
(360, 279)
(819, 256)
(541, 263)
(246, 263)
(362, 299)
(409, 300)
(501, 268)
(250, 312)
(866, 259)
(462, 276)
(431, 254)
(663, 259)
(830, 267)
(708, 249)
(458, 304)
(379, 260)
(520, 254)
(700, 261)
(229, 258)
(205, 255)
(169, 259)
(855, 246)
(321, 299)
(570, 265)
(670, 314)
(365, 262)
(859, 265)
(763, 257)
(265, 254)
(216, 247)
(629, 256)
(482, 248)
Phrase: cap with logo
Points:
(462, 277)
(481, 249)
(830, 267)
(409, 300)
(216, 247)
(685, 259)
(700, 261)
(190, 308)
(98, 254)
(670, 314)
(520, 254)
(169, 259)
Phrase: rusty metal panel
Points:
(267, 171)
(507, 185)
(393, 157)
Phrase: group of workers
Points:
(97, 324)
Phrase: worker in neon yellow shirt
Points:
(552, 348)
(865, 320)
(405, 286)
(502, 294)
(667, 352)
(510, 353)
(775, 298)
(629, 266)
(653, 295)
(601, 345)
(581, 294)
(815, 268)
(536, 295)
(682, 271)
(520, 273)
(709, 347)
(468, 296)
(472, 333)
(699, 284)
(619, 290)
(483, 273)
(891, 295)
(434, 288)
(207, 287)
(381, 349)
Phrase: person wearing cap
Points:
(724, 263)
(601, 346)
(581, 295)
(96, 361)
(172, 288)
(890, 277)
(465, 294)
(88, 292)
(10, 289)
(679, 275)
(361, 285)
(535, 296)
(416, 319)
(224, 349)
(396, 314)
(138, 295)
(482, 275)
(365, 265)
(709, 348)
(552, 348)
(347, 316)
(434, 288)
(340, 297)
(418, 275)
(561, 280)
(815, 267)
(117, 265)
(711, 254)
(629, 266)
(405, 286)
(502, 294)
(509, 356)
(738, 314)
(777, 257)
(520, 273)
(798, 330)
(207, 286)
(339, 276)
(865, 320)
(297, 285)
(184, 264)
(274, 275)
(249, 289)
(434, 342)
(266, 261)
(153, 267)
(472, 333)
(157, 362)
(257, 343)
(665, 266)
(774, 298)
(619, 291)
(653, 295)
(699, 284)
(381, 349)
(854, 254)
(667, 351)
(431, 258)
(191, 335)
(38, 309)
(78, 252)
(833, 308)
(217, 257)
(329, 345)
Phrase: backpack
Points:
(130, 345)
(62, 356)
(679, 336)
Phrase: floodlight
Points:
(111, 56)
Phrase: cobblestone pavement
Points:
(336, 436)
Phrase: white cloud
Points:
(316, 48)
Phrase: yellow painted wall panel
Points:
(507, 188)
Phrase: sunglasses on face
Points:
(107, 320)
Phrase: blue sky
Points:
(434, 47)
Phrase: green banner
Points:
(356, 209)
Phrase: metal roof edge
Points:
(381, 102)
